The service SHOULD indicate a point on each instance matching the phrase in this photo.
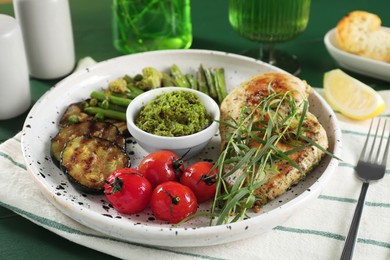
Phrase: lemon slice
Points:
(351, 97)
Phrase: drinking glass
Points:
(269, 22)
(145, 25)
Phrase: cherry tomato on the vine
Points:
(201, 180)
(172, 201)
(128, 191)
(161, 166)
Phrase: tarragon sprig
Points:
(277, 117)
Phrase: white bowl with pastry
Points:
(359, 43)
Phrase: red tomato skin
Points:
(135, 194)
(192, 178)
(163, 207)
(161, 166)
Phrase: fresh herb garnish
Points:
(278, 117)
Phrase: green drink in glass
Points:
(270, 22)
(145, 25)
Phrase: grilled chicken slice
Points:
(249, 94)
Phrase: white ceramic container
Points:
(189, 145)
(48, 37)
(15, 95)
(359, 64)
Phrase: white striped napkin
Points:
(317, 232)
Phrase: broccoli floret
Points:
(118, 85)
(151, 79)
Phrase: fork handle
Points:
(354, 228)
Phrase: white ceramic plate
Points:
(359, 64)
(94, 212)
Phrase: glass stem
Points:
(267, 51)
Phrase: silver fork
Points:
(371, 166)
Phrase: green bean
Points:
(106, 112)
(112, 99)
(133, 91)
(104, 105)
(128, 79)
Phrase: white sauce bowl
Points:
(192, 144)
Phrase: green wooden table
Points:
(20, 238)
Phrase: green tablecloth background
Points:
(21, 239)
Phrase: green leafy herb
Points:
(277, 118)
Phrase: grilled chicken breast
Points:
(249, 94)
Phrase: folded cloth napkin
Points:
(316, 232)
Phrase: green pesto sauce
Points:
(176, 113)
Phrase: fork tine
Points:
(363, 152)
(370, 158)
(380, 143)
(384, 159)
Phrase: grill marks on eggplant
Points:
(77, 110)
(88, 161)
(99, 129)
(89, 151)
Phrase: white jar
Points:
(48, 38)
(15, 95)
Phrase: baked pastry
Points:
(360, 33)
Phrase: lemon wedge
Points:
(351, 97)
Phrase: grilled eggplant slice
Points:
(74, 113)
(88, 161)
(121, 125)
(100, 129)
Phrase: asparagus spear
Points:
(112, 99)
(201, 78)
(211, 84)
(220, 84)
(167, 80)
(190, 78)
(178, 77)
